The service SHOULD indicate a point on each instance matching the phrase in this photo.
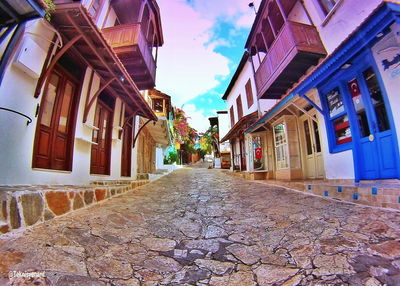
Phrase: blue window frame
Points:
(336, 116)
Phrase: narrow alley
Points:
(199, 226)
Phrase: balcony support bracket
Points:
(94, 97)
(140, 129)
(312, 103)
(50, 68)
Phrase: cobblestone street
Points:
(204, 227)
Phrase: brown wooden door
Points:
(126, 150)
(55, 129)
(242, 155)
(100, 155)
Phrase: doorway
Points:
(126, 149)
(313, 159)
(375, 149)
(55, 130)
(101, 149)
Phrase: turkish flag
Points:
(258, 153)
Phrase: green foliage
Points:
(182, 132)
(51, 7)
(171, 157)
(207, 140)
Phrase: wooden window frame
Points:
(232, 115)
(101, 4)
(249, 94)
(239, 106)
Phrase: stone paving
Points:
(203, 227)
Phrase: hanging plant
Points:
(50, 7)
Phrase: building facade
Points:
(336, 112)
(244, 108)
(78, 80)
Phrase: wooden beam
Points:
(140, 129)
(95, 96)
(50, 68)
(95, 51)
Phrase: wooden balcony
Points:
(133, 50)
(296, 48)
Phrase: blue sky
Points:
(204, 42)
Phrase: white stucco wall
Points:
(346, 17)
(387, 48)
(239, 88)
(17, 139)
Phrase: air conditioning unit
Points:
(30, 58)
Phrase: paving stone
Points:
(58, 202)
(216, 267)
(215, 231)
(162, 264)
(32, 208)
(202, 227)
(271, 274)
(247, 254)
(159, 244)
(389, 249)
(239, 278)
(332, 264)
(15, 218)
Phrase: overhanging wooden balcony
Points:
(133, 50)
(296, 48)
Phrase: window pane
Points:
(327, 5)
(49, 100)
(342, 130)
(65, 107)
(377, 100)
(281, 150)
(335, 102)
(359, 107)
(316, 136)
(308, 137)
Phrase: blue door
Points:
(375, 147)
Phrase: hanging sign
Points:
(258, 152)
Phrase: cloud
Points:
(197, 118)
(187, 63)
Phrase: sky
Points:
(203, 44)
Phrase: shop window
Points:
(338, 118)
(281, 147)
(258, 153)
(327, 5)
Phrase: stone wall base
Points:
(24, 206)
(385, 194)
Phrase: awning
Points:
(18, 11)
(159, 131)
(240, 126)
(84, 40)
(363, 35)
